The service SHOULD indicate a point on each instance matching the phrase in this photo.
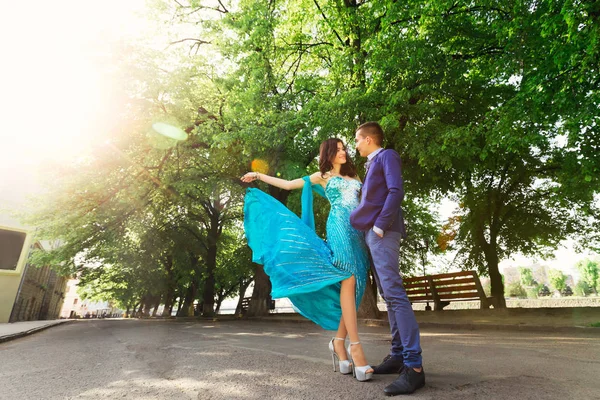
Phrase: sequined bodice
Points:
(346, 243)
(343, 193)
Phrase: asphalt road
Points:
(131, 359)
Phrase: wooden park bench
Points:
(441, 289)
(246, 304)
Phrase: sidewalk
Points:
(523, 319)
(16, 330)
(576, 319)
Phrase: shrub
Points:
(558, 279)
(516, 290)
(526, 276)
(567, 291)
(543, 291)
(582, 289)
(532, 292)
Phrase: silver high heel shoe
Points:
(360, 373)
(344, 365)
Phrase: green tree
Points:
(558, 279)
(165, 203)
(582, 288)
(421, 243)
(589, 271)
(501, 138)
(494, 104)
(235, 270)
(467, 95)
(526, 276)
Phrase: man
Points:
(380, 216)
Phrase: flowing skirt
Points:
(299, 263)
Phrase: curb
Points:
(494, 327)
(384, 323)
(451, 326)
(7, 338)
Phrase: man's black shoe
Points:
(408, 381)
(389, 365)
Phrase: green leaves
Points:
(494, 103)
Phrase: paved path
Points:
(149, 359)
(19, 329)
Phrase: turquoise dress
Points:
(302, 266)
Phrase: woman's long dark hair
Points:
(327, 154)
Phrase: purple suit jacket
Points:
(382, 195)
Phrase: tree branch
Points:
(198, 42)
(328, 23)
(224, 8)
(198, 8)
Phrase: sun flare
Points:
(59, 91)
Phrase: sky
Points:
(56, 93)
(565, 257)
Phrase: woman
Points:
(324, 281)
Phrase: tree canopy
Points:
(494, 105)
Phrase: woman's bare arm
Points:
(283, 183)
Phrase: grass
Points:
(595, 325)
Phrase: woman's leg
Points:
(339, 345)
(348, 303)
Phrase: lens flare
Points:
(259, 165)
(165, 136)
(169, 131)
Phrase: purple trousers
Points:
(406, 342)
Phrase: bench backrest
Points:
(464, 285)
(419, 288)
(457, 285)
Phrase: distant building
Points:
(15, 243)
(511, 274)
(41, 293)
(75, 307)
(570, 281)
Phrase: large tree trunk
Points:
(220, 297)
(169, 300)
(171, 287)
(208, 294)
(497, 286)
(490, 252)
(179, 305)
(208, 298)
(157, 300)
(137, 309)
(242, 292)
(260, 294)
(186, 309)
(357, 65)
(496, 282)
(147, 302)
(368, 306)
(173, 304)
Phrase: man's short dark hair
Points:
(372, 129)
